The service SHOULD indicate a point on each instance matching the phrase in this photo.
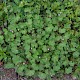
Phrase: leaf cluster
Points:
(41, 38)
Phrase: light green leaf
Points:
(17, 59)
(1, 39)
(20, 70)
(42, 75)
(30, 72)
(9, 65)
(68, 70)
(49, 28)
(44, 48)
(62, 30)
(76, 54)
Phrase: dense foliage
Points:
(40, 38)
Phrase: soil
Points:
(10, 74)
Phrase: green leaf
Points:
(56, 68)
(35, 66)
(30, 72)
(9, 65)
(65, 62)
(55, 28)
(60, 18)
(68, 70)
(55, 58)
(71, 63)
(17, 59)
(14, 50)
(1, 39)
(44, 48)
(26, 47)
(2, 55)
(16, 1)
(42, 75)
(76, 54)
(27, 10)
(51, 42)
(49, 28)
(67, 35)
(54, 20)
(5, 31)
(20, 70)
(52, 72)
(62, 30)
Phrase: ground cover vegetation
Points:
(40, 38)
